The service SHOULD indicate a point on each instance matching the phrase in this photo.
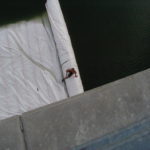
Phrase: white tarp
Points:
(33, 55)
(63, 45)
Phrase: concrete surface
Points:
(135, 137)
(11, 137)
(90, 116)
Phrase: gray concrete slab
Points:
(11, 137)
(89, 116)
(135, 137)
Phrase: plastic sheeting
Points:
(34, 56)
(63, 45)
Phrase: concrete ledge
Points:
(11, 137)
(135, 137)
(89, 116)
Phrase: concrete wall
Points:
(89, 116)
(11, 137)
(135, 137)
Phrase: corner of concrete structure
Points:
(11, 136)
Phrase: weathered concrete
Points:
(11, 137)
(89, 116)
(135, 137)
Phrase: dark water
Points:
(111, 38)
(15, 10)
